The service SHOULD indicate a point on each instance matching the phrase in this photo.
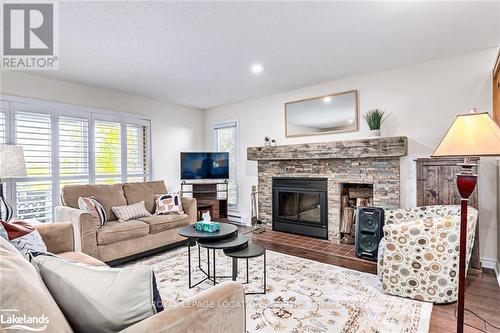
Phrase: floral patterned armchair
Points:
(418, 256)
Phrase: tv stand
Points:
(210, 196)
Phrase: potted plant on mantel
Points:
(374, 118)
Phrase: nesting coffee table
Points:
(227, 239)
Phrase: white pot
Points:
(375, 133)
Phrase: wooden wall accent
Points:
(363, 148)
(436, 185)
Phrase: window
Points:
(137, 153)
(108, 160)
(226, 140)
(33, 131)
(73, 151)
(65, 145)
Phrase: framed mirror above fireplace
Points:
(300, 206)
(322, 115)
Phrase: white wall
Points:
(174, 128)
(422, 101)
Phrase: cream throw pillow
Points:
(99, 299)
(168, 203)
(130, 212)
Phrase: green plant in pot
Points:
(374, 118)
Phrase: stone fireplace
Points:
(370, 161)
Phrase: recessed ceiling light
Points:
(257, 69)
(327, 99)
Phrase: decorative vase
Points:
(375, 133)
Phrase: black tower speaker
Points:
(369, 231)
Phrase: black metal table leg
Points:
(214, 267)
(247, 272)
(199, 257)
(265, 273)
(235, 268)
(208, 263)
(189, 264)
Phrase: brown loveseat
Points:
(23, 293)
(116, 241)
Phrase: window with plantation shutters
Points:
(108, 152)
(226, 140)
(74, 166)
(137, 153)
(69, 145)
(34, 193)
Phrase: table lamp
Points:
(473, 134)
(12, 165)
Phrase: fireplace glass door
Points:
(300, 206)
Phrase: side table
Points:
(252, 250)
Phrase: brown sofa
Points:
(118, 241)
(23, 292)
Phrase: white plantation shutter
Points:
(74, 159)
(3, 128)
(34, 193)
(65, 144)
(137, 153)
(108, 155)
(226, 140)
(4, 108)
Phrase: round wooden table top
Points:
(226, 230)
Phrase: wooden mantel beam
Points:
(376, 147)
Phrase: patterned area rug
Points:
(302, 295)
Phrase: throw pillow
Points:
(168, 203)
(130, 212)
(108, 299)
(92, 206)
(24, 237)
(23, 293)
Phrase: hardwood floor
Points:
(482, 293)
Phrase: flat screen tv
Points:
(204, 165)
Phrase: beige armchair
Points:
(418, 256)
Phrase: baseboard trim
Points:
(489, 263)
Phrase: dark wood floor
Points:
(482, 293)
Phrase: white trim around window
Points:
(230, 124)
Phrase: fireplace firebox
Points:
(300, 206)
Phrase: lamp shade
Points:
(473, 134)
(12, 163)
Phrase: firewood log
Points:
(347, 220)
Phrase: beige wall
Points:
(422, 101)
(173, 128)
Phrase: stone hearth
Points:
(369, 161)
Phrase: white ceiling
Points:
(199, 53)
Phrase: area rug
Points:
(302, 295)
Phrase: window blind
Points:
(34, 194)
(108, 160)
(2, 126)
(137, 153)
(73, 151)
